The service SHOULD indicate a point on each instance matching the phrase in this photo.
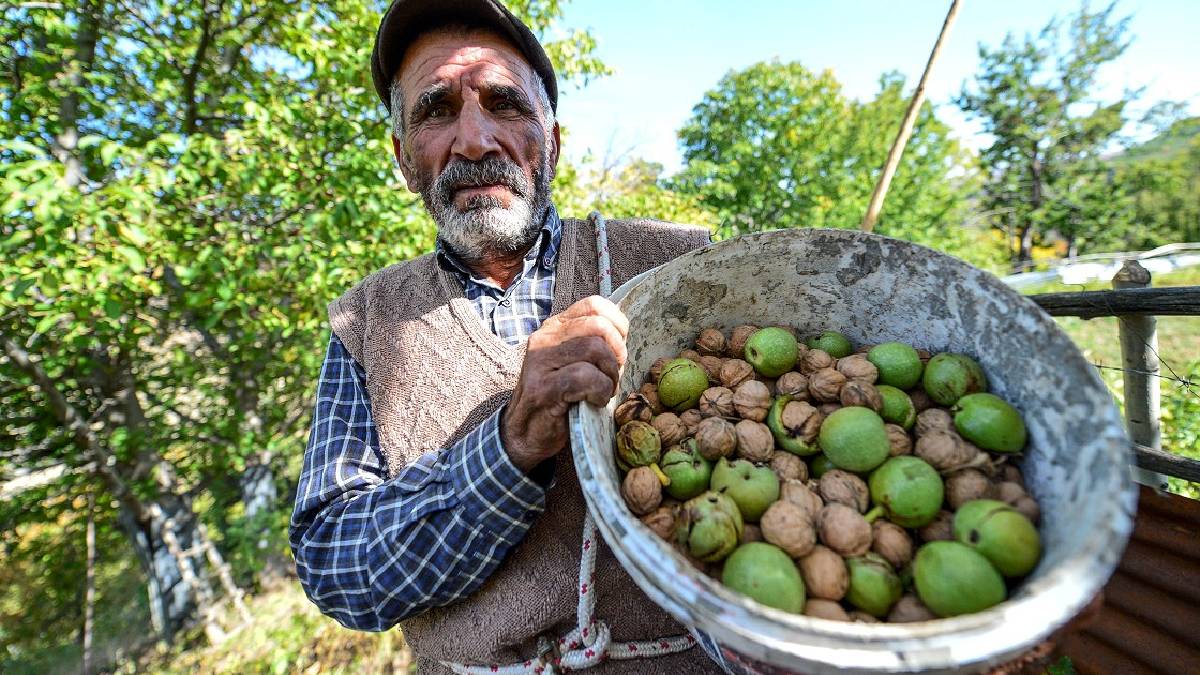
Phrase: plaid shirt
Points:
(372, 551)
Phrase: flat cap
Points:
(407, 19)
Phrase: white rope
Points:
(590, 642)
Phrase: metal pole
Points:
(906, 127)
(1139, 358)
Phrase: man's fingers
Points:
(598, 326)
(583, 381)
(588, 349)
(594, 305)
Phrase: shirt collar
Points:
(544, 251)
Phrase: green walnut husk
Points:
(687, 470)
(855, 439)
(953, 579)
(874, 585)
(709, 526)
(1002, 534)
(772, 351)
(948, 377)
(819, 465)
(753, 488)
(990, 423)
(909, 490)
(638, 444)
(831, 342)
(898, 364)
(681, 384)
(787, 438)
(898, 408)
(766, 574)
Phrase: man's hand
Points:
(574, 356)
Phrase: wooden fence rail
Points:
(1139, 304)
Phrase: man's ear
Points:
(404, 160)
(555, 146)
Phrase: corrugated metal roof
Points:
(1150, 620)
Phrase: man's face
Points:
(476, 146)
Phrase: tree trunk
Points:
(66, 141)
(89, 593)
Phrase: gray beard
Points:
(485, 228)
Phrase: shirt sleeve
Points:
(372, 551)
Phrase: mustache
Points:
(467, 174)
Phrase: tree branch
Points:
(85, 439)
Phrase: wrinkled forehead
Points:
(454, 56)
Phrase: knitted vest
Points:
(434, 372)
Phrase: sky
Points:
(667, 53)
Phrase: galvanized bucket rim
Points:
(1044, 603)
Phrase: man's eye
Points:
(505, 105)
(438, 111)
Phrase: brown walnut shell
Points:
(825, 385)
(752, 400)
(735, 347)
(789, 467)
(825, 574)
(859, 393)
(711, 342)
(842, 487)
(715, 438)
(844, 530)
(793, 384)
(892, 542)
(642, 490)
(734, 372)
(755, 441)
(789, 527)
(857, 367)
(671, 430)
(716, 402)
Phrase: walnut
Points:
(716, 402)
(966, 485)
(690, 355)
(933, 419)
(1009, 492)
(650, 391)
(712, 368)
(842, 487)
(670, 429)
(715, 438)
(899, 439)
(825, 609)
(827, 409)
(642, 490)
(945, 450)
(662, 521)
(941, 528)
(825, 574)
(789, 527)
(734, 372)
(844, 530)
(752, 400)
(691, 420)
(711, 342)
(735, 346)
(892, 542)
(656, 369)
(789, 467)
(920, 399)
(801, 420)
(826, 384)
(857, 392)
(909, 609)
(751, 532)
(814, 360)
(1012, 474)
(798, 493)
(862, 617)
(634, 407)
(1028, 507)
(755, 441)
(793, 384)
(857, 367)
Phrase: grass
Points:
(288, 635)
(1179, 353)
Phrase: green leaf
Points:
(136, 262)
(132, 234)
(20, 287)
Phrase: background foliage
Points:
(185, 185)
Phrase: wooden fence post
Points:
(1139, 359)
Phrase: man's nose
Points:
(475, 137)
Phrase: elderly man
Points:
(434, 493)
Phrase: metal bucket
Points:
(875, 289)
